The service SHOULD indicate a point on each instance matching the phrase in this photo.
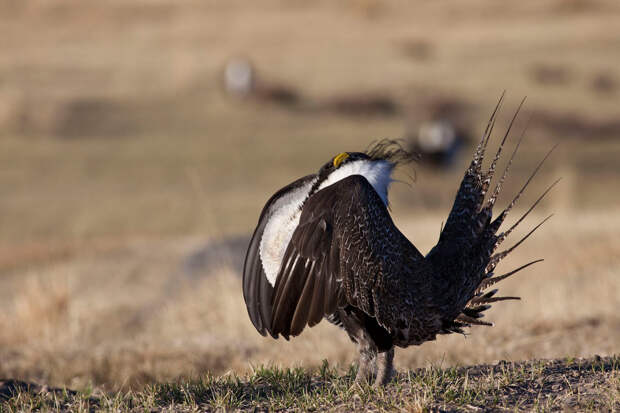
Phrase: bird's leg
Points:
(385, 367)
(368, 354)
(366, 366)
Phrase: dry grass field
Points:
(121, 156)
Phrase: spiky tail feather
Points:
(468, 241)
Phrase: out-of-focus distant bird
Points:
(242, 81)
(438, 128)
(326, 247)
(239, 77)
(438, 142)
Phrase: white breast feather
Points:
(286, 211)
(378, 173)
(283, 219)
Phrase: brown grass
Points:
(120, 154)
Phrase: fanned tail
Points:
(466, 251)
(472, 191)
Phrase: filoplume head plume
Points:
(390, 150)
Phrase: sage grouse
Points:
(326, 247)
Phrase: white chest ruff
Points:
(284, 218)
(286, 211)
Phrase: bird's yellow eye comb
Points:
(340, 158)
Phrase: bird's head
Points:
(376, 164)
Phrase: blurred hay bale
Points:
(74, 117)
(604, 83)
(91, 116)
(362, 104)
(550, 74)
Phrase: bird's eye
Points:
(340, 158)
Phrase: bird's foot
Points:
(383, 379)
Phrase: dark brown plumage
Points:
(326, 247)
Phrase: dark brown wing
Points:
(335, 256)
(306, 288)
(257, 292)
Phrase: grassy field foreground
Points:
(543, 385)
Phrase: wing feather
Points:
(257, 291)
(317, 305)
(302, 311)
(304, 294)
(256, 288)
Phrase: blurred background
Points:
(140, 139)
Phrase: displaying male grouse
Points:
(326, 247)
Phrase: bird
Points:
(326, 247)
